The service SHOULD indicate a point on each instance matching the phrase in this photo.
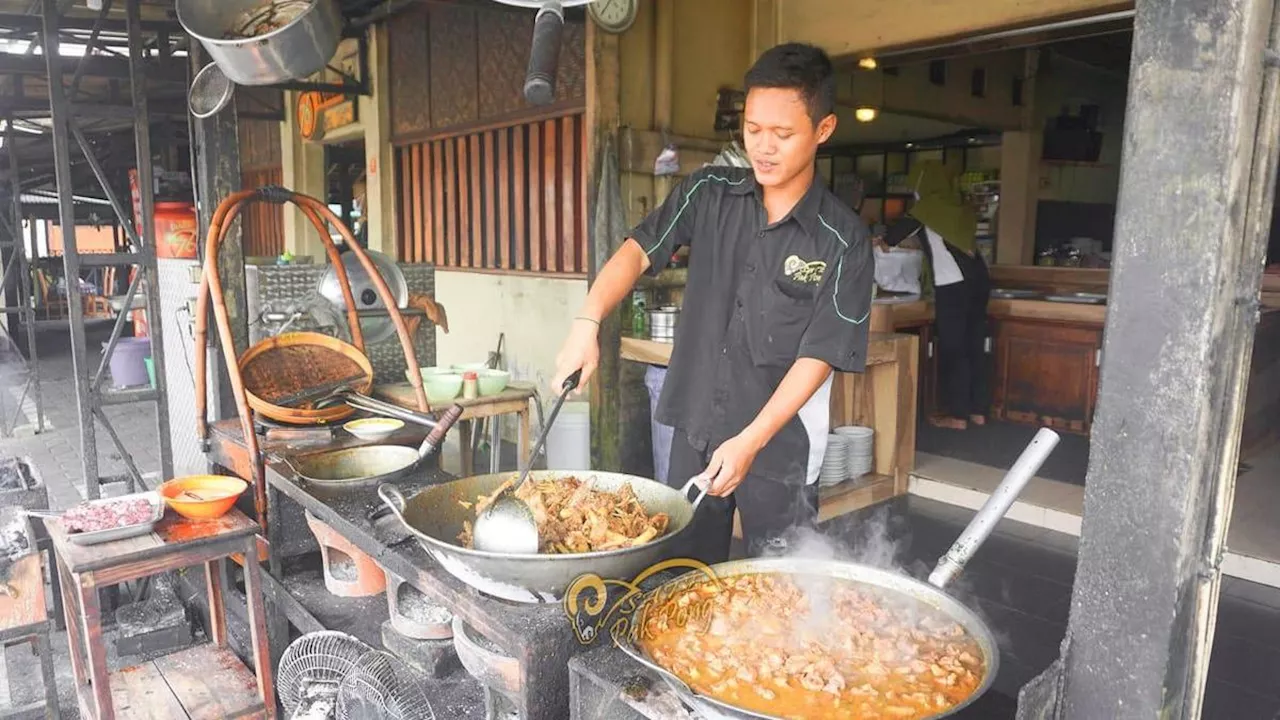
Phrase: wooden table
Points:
(204, 681)
(514, 400)
(24, 618)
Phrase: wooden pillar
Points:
(1191, 231)
(1019, 193)
(216, 145)
(604, 109)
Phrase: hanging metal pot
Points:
(264, 42)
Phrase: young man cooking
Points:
(779, 292)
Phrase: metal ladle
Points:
(508, 525)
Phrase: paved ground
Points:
(56, 451)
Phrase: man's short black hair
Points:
(801, 67)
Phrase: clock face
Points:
(613, 15)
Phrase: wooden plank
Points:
(477, 220)
(550, 188)
(406, 202)
(24, 604)
(1091, 315)
(490, 206)
(520, 232)
(535, 198)
(570, 207)
(211, 683)
(140, 693)
(854, 495)
(584, 187)
(451, 203)
(504, 198)
(464, 203)
(438, 214)
(415, 189)
(425, 240)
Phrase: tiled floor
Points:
(1020, 582)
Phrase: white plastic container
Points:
(569, 441)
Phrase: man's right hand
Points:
(581, 350)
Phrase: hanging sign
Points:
(321, 113)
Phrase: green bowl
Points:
(492, 382)
(440, 388)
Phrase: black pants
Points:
(960, 312)
(769, 510)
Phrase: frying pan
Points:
(932, 593)
(371, 465)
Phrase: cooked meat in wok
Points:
(574, 517)
(802, 646)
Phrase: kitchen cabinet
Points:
(1046, 373)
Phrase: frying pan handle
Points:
(571, 382)
(702, 491)
(446, 421)
(979, 529)
(390, 495)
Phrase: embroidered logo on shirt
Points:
(804, 271)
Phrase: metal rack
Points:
(92, 397)
(11, 244)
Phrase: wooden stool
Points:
(207, 680)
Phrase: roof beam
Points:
(109, 67)
(32, 23)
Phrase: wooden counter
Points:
(920, 312)
(883, 398)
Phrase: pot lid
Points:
(378, 328)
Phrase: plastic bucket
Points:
(151, 370)
(569, 440)
(128, 362)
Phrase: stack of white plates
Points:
(859, 448)
(835, 463)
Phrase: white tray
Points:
(97, 537)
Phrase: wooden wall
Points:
(459, 67)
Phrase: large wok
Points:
(435, 516)
(932, 593)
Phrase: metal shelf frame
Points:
(91, 396)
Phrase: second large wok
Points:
(932, 593)
(435, 516)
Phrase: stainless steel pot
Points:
(293, 52)
(932, 593)
(435, 516)
(662, 323)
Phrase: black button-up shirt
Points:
(758, 297)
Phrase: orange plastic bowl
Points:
(202, 497)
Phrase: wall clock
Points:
(613, 16)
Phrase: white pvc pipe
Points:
(979, 529)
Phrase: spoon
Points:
(507, 525)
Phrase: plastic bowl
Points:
(211, 496)
(373, 428)
(492, 382)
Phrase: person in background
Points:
(943, 227)
(779, 293)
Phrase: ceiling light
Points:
(865, 114)
(867, 63)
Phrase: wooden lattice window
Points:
(508, 198)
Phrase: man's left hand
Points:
(729, 465)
